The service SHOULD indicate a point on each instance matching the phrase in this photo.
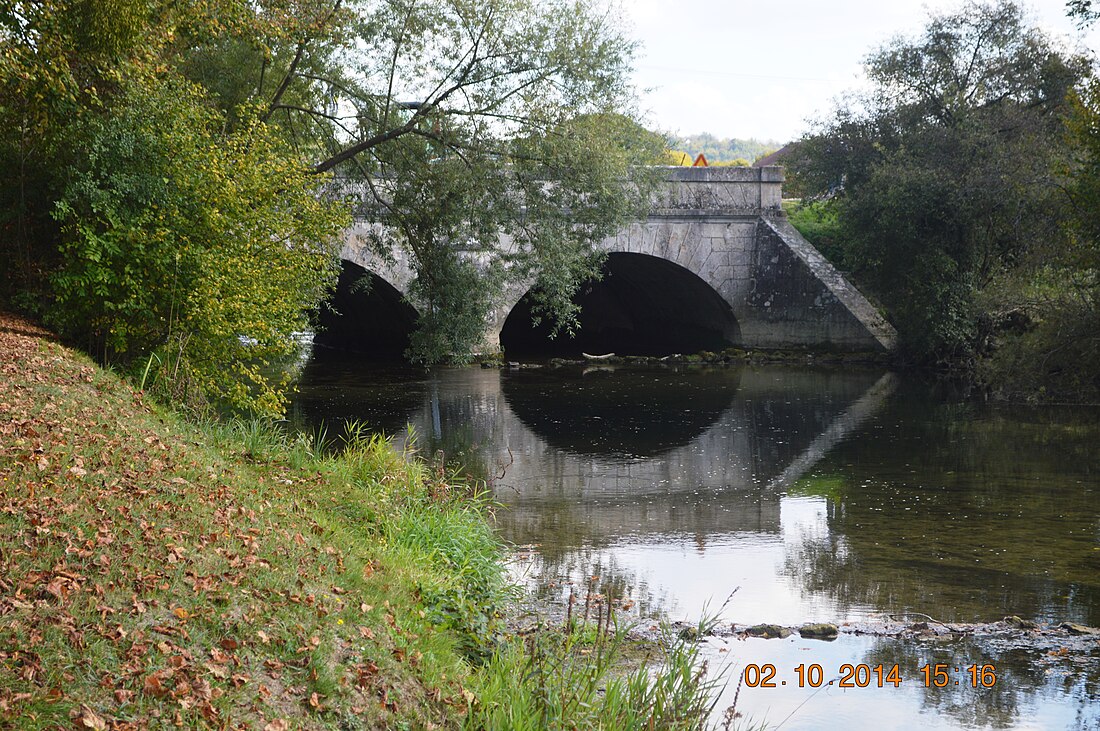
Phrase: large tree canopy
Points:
(497, 138)
(947, 177)
(144, 222)
(495, 131)
(478, 123)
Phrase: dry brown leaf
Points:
(87, 718)
(154, 687)
(218, 671)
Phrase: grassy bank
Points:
(155, 573)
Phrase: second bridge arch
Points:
(642, 305)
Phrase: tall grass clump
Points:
(554, 680)
(443, 521)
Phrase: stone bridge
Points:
(716, 257)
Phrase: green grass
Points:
(156, 572)
(571, 681)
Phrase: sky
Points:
(764, 69)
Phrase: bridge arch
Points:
(643, 305)
(727, 228)
(366, 315)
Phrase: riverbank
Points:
(157, 572)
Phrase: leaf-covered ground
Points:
(156, 574)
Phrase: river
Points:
(846, 495)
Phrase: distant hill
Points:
(724, 150)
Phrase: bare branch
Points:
(287, 78)
(314, 113)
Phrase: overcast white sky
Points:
(761, 68)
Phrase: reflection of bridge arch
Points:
(643, 305)
(365, 314)
(611, 412)
(717, 476)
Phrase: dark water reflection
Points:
(602, 414)
(824, 494)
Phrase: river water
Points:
(812, 494)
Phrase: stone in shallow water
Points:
(818, 631)
(768, 631)
(1019, 623)
(1078, 629)
(689, 634)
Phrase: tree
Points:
(145, 223)
(1060, 352)
(56, 58)
(1083, 11)
(198, 250)
(726, 151)
(515, 114)
(945, 173)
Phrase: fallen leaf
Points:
(218, 671)
(154, 687)
(87, 718)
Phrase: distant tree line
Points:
(730, 151)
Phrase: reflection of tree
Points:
(555, 527)
(961, 514)
(464, 443)
(592, 572)
(562, 523)
(336, 388)
(996, 707)
(1021, 681)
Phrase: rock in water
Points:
(768, 631)
(1078, 629)
(689, 634)
(819, 631)
(1019, 623)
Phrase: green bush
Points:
(204, 247)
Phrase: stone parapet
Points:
(720, 191)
